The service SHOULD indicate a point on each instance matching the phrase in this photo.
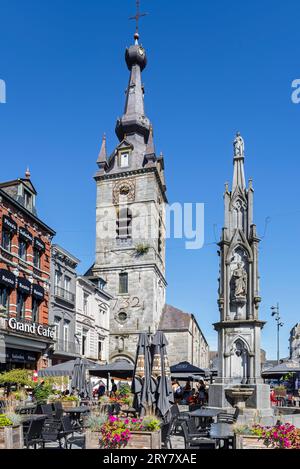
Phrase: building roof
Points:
(173, 318)
(28, 213)
(64, 252)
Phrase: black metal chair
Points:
(203, 430)
(33, 437)
(114, 409)
(52, 432)
(47, 410)
(195, 442)
(177, 417)
(67, 433)
(166, 431)
(225, 417)
(58, 410)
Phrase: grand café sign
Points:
(31, 328)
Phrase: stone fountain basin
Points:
(238, 395)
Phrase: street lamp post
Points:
(275, 312)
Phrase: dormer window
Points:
(124, 160)
(27, 200)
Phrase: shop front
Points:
(25, 345)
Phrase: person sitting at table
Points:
(101, 390)
(186, 391)
(202, 393)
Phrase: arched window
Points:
(124, 223)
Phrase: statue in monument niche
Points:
(240, 281)
(239, 146)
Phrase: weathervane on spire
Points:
(137, 17)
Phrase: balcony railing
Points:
(63, 346)
(64, 294)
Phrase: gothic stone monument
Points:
(239, 327)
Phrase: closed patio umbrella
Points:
(79, 382)
(143, 384)
(76, 378)
(161, 370)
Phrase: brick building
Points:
(25, 335)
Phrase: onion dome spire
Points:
(134, 120)
(27, 173)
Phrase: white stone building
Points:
(186, 340)
(92, 319)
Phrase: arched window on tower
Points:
(124, 223)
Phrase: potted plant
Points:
(280, 436)
(11, 431)
(120, 433)
(93, 433)
(145, 433)
(69, 401)
(280, 391)
(246, 438)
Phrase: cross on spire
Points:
(137, 17)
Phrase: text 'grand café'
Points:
(25, 336)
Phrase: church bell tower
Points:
(130, 219)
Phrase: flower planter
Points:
(11, 437)
(92, 439)
(138, 440)
(66, 405)
(248, 442)
(144, 440)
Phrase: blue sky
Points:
(214, 68)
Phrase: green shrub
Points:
(5, 421)
(151, 424)
(69, 398)
(16, 419)
(18, 377)
(42, 392)
(95, 422)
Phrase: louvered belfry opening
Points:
(124, 223)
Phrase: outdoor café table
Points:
(24, 409)
(205, 416)
(27, 418)
(30, 417)
(76, 412)
(222, 431)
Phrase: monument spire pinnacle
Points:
(238, 162)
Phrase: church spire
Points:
(134, 121)
(102, 157)
(238, 162)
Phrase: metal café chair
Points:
(196, 442)
(33, 436)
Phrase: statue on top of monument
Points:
(241, 278)
(239, 145)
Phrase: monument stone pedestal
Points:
(257, 407)
(260, 398)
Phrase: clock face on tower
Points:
(141, 51)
